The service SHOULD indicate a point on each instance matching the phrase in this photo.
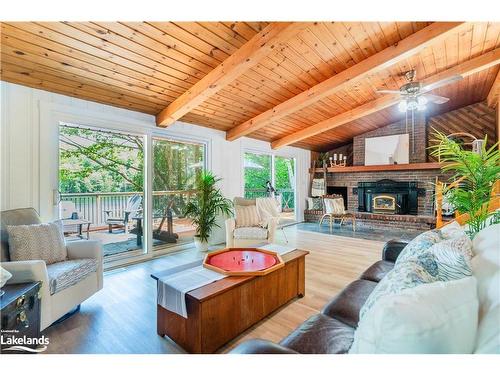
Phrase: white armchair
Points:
(249, 236)
(55, 302)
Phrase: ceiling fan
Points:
(415, 96)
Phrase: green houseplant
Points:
(478, 170)
(204, 208)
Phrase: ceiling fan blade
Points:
(436, 98)
(389, 91)
(441, 83)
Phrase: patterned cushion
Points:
(407, 275)
(250, 233)
(247, 216)
(450, 258)
(461, 245)
(419, 244)
(452, 230)
(37, 242)
(62, 275)
(314, 203)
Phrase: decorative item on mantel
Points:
(323, 160)
(338, 160)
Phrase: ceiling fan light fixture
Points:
(402, 106)
(422, 100)
(411, 104)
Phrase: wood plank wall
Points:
(477, 119)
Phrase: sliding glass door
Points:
(284, 182)
(101, 185)
(266, 175)
(176, 165)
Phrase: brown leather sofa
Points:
(331, 331)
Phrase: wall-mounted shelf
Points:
(382, 168)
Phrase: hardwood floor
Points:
(121, 318)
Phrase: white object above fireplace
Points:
(390, 149)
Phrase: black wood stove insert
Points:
(388, 196)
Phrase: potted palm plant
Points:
(204, 208)
(477, 170)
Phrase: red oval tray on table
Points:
(243, 261)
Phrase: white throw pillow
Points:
(247, 216)
(37, 242)
(439, 317)
(486, 269)
(310, 203)
(334, 206)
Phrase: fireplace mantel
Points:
(382, 168)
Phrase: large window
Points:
(261, 169)
(176, 166)
(101, 181)
(258, 171)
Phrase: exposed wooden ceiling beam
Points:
(493, 95)
(249, 55)
(465, 69)
(377, 62)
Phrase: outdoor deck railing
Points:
(287, 196)
(93, 206)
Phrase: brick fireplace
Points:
(412, 189)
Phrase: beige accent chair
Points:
(333, 208)
(58, 304)
(251, 236)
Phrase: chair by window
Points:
(66, 284)
(67, 210)
(238, 236)
(118, 219)
(333, 208)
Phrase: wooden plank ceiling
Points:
(145, 66)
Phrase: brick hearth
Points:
(380, 221)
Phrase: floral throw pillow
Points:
(407, 275)
(419, 244)
(452, 230)
(461, 245)
(452, 258)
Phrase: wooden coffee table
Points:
(220, 311)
